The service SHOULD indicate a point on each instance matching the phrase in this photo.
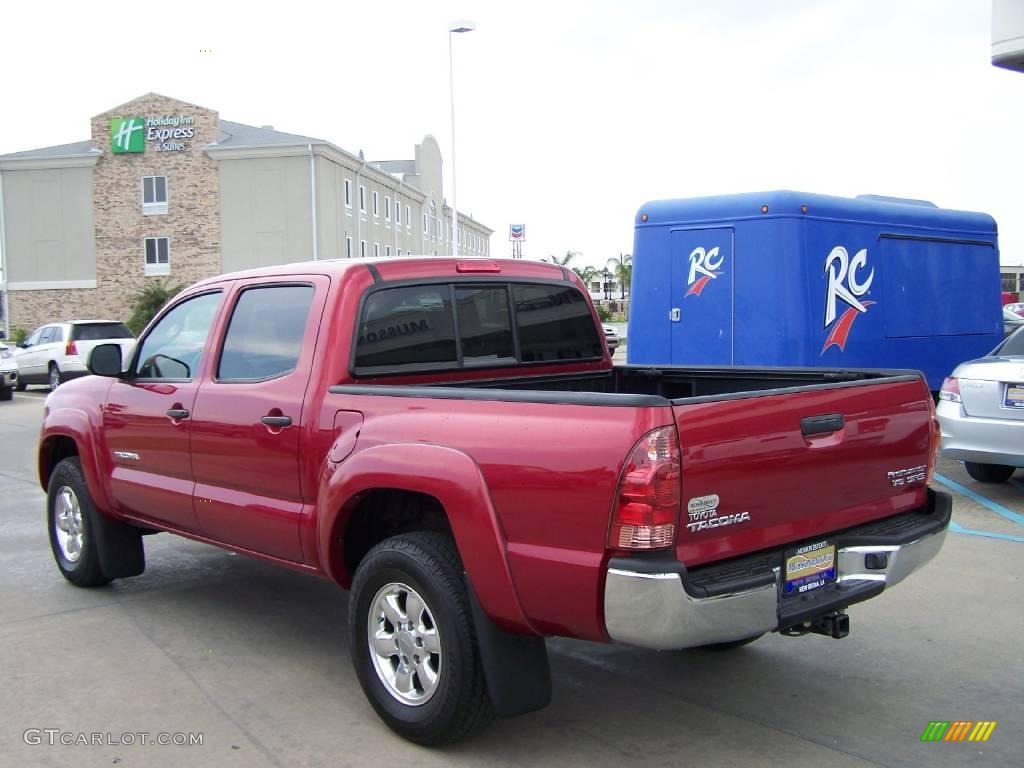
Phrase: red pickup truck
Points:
(449, 439)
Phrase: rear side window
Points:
(418, 327)
(554, 323)
(264, 338)
(98, 331)
(407, 326)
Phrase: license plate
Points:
(1014, 396)
(810, 567)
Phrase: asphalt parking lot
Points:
(255, 659)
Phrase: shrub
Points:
(603, 313)
(148, 302)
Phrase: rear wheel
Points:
(413, 642)
(20, 386)
(989, 473)
(55, 379)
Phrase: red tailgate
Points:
(761, 472)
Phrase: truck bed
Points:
(647, 385)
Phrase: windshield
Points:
(1013, 346)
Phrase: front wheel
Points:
(6, 393)
(413, 642)
(989, 473)
(55, 378)
(70, 515)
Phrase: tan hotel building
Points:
(164, 187)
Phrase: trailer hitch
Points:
(835, 625)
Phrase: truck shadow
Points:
(610, 703)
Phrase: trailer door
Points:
(703, 279)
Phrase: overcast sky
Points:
(569, 114)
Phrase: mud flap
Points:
(119, 547)
(515, 666)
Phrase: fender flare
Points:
(75, 425)
(455, 480)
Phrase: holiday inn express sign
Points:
(130, 134)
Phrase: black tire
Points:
(730, 645)
(6, 393)
(83, 570)
(54, 377)
(989, 473)
(20, 385)
(428, 563)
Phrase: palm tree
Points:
(622, 268)
(562, 261)
(586, 273)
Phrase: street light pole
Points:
(456, 27)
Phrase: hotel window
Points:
(362, 198)
(424, 224)
(154, 195)
(348, 247)
(387, 209)
(362, 249)
(348, 193)
(408, 218)
(398, 212)
(376, 204)
(158, 257)
(387, 250)
(376, 250)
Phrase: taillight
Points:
(935, 431)
(70, 348)
(950, 390)
(645, 511)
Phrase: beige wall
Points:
(266, 216)
(49, 225)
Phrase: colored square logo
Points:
(127, 134)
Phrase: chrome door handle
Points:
(178, 413)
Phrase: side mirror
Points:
(105, 360)
(23, 344)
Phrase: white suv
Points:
(57, 352)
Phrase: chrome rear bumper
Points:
(651, 607)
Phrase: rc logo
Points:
(707, 264)
(846, 281)
(127, 134)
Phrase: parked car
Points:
(57, 352)
(449, 439)
(611, 336)
(1017, 308)
(8, 372)
(1011, 320)
(981, 412)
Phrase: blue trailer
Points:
(792, 279)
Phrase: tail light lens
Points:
(645, 512)
(935, 431)
(950, 390)
(70, 348)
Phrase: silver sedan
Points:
(981, 410)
